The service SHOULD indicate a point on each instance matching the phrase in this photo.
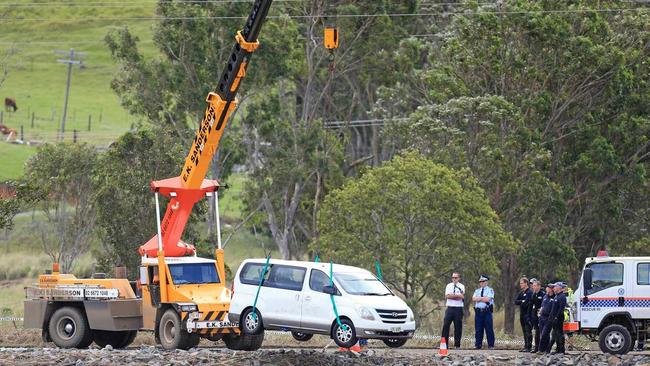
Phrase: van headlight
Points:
(411, 316)
(365, 313)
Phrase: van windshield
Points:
(361, 284)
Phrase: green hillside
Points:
(30, 33)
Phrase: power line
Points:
(391, 15)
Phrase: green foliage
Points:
(64, 175)
(420, 219)
(125, 204)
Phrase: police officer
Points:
(524, 300)
(538, 297)
(557, 316)
(483, 307)
(455, 295)
(544, 316)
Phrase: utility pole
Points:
(71, 61)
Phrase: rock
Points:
(108, 347)
(613, 360)
(80, 363)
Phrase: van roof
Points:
(324, 266)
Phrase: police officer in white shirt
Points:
(455, 294)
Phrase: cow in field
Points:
(10, 103)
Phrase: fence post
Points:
(90, 116)
(22, 134)
(32, 119)
(53, 113)
(74, 136)
(1, 117)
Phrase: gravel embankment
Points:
(149, 355)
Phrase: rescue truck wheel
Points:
(117, 339)
(395, 342)
(243, 342)
(344, 336)
(171, 334)
(69, 328)
(301, 337)
(615, 339)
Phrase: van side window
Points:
(606, 275)
(318, 280)
(643, 274)
(251, 273)
(286, 277)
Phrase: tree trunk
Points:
(508, 279)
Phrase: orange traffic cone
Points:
(443, 351)
(355, 348)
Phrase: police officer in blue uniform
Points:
(538, 297)
(544, 323)
(557, 316)
(483, 307)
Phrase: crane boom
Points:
(185, 190)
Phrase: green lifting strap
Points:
(316, 259)
(336, 312)
(266, 266)
(378, 268)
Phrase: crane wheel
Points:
(117, 339)
(69, 328)
(171, 334)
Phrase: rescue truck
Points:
(179, 296)
(612, 302)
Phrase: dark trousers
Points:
(483, 324)
(558, 335)
(545, 337)
(453, 314)
(536, 330)
(528, 334)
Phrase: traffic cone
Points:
(356, 348)
(443, 351)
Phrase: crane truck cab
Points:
(612, 302)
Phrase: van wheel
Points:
(251, 323)
(117, 339)
(243, 342)
(301, 337)
(615, 339)
(395, 342)
(171, 334)
(69, 328)
(344, 336)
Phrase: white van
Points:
(295, 296)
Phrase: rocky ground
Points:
(149, 355)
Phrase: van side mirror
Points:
(330, 290)
(587, 280)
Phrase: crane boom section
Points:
(223, 101)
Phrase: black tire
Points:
(117, 339)
(615, 339)
(251, 323)
(301, 337)
(69, 328)
(345, 336)
(395, 342)
(171, 334)
(243, 342)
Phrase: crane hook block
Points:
(331, 38)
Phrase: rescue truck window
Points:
(643, 274)
(606, 275)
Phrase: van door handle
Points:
(307, 298)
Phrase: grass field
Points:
(30, 33)
(12, 159)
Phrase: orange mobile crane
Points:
(181, 297)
